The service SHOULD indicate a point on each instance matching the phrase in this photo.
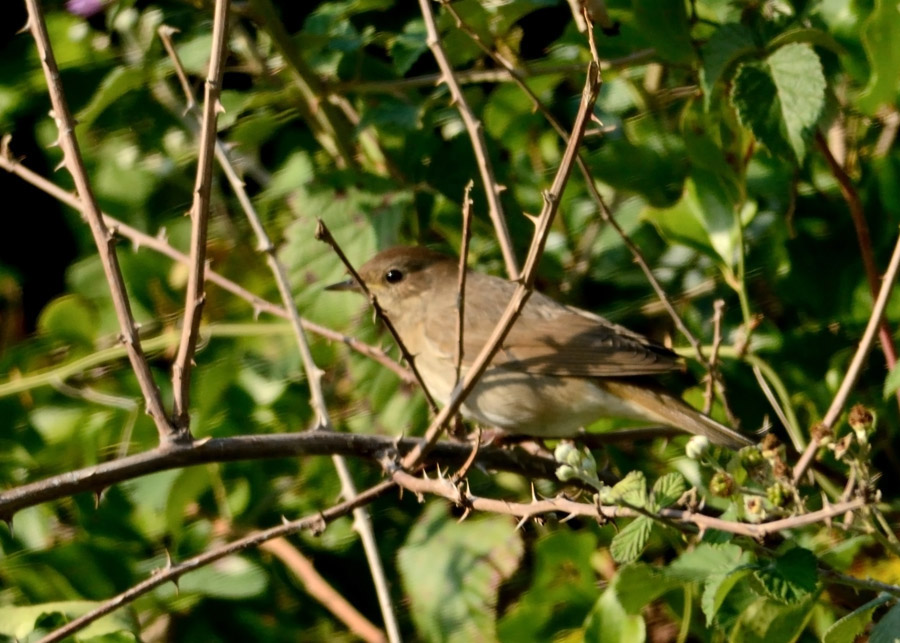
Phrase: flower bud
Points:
(697, 447)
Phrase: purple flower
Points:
(84, 8)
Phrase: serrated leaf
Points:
(892, 382)
(886, 631)
(755, 98)
(562, 587)
(638, 584)
(846, 629)
(668, 489)
(780, 100)
(706, 559)
(631, 490)
(627, 545)
(791, 577)
(768, 621)
(608, 622)
(452, 571)
(728, 44)
(797, 72)
(880, 35)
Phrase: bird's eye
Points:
(393, 276)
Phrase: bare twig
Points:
(322, 591)
(195, 297)
(526, 283)
(446, 488)
(476, 446)
(324, 234)
(770, 396)
(315, 522)
(158, 244)
(475, 76)
(103, 238)
(165, 33)
(864, 239)
(852, 374)
(718, 308)
(475, 129)
(461, 277)
(890, 119)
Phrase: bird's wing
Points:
(548, 338)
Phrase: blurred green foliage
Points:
(706, 149)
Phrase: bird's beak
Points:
(348, 285)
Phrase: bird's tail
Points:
(660, 406)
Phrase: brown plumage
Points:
(559, 368)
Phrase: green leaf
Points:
(892, 382)
(797, 72)
(846, 629)
(408, 46)
(666, 25)
(791, 577)
(706, 559)
(452, 571)
(71, 319)
(711, 197)
(562, 590)
(117, 83)
(679, 225)
(887, 628)
(231, 578)
(768, 621)
(628, 544)
(631, 490)
(19, 622)
(608, 622)
(715, 591)
(880, 35)
(755, 98)
(780, 101)
(639, 584)
(668, 489)
(718, 566)
(728, 44)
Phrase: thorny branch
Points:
(195, 297)
(103, 237)
(475, 129)
(852, 374)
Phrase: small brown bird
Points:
(559, 368)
